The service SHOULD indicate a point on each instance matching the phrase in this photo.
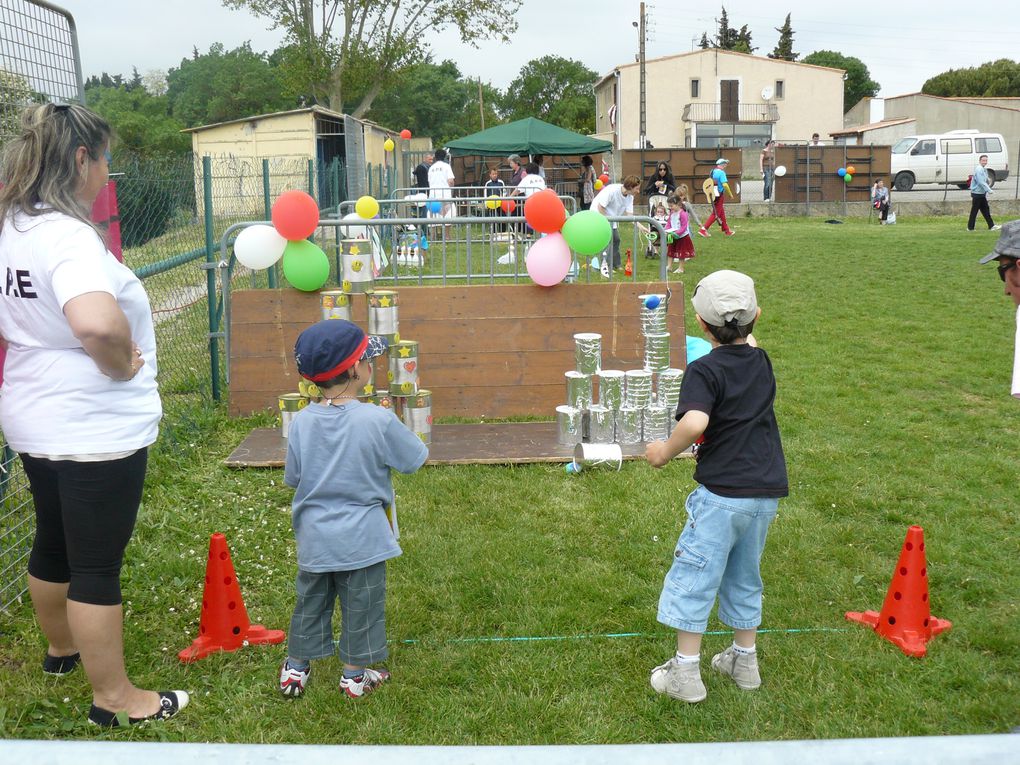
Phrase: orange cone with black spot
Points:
(224, 625)
(905, 619)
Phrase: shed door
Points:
(354, 140)
(729, 96)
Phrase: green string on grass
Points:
(595, 636)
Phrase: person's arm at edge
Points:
(101, 327)
(690, 428)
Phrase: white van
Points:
(947, 158)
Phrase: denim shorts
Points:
(718, 553)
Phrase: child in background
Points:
(880, 200)
(685, 198)
(661, 214)
(681, 243)
(494, 187)
(726, 400)
(339, 455)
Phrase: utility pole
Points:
(641, 54)
(481, 106)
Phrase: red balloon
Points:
(508, 206)
(405, 134)
(604, 178)
(545, 212)
(295, 215)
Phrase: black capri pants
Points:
(85, 513)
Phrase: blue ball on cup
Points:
(652, 302)
(435, 207)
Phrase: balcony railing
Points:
(744, 112)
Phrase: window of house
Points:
(780, 89)
(695, 88)
(987, 145)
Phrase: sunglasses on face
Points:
(1004, 267)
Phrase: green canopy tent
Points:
(527, 136)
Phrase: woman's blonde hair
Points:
(682, 192)
(39, 171)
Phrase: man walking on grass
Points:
(979, 191)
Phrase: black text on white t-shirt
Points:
(24, 280)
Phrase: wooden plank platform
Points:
(504, 443)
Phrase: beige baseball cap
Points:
(723, 296)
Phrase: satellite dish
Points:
(766, 94)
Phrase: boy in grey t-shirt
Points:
(339, 455)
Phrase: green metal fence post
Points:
(210, 275)
(269, 214)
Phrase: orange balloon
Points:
(850, 170)
(405, 134)
(508, 206)
(544, 212)
(295, 215)
(604, 178)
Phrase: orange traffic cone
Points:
(906, 618)
(224, 625)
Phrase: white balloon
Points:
(259, 247)
(354, 232)
(781, 170)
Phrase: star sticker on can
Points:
(384, 301)
(355, 250)
(404, 351)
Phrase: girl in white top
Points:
(79, 400)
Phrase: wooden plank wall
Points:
(689, 166)
(492, 351)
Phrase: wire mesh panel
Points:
(38, 59)
(38, 63)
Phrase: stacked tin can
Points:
(630, 406)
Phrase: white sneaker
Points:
(742, 667)
(370, 680)
(679, 681)
(995, 228)
(293, 681)
(506, 260)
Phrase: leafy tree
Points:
(742, 41)
(141, 122)
(704, 44)
(856, 85)
(224, 85)
(344, 52)
(726, 36)
(784, 48)
(434, 100)
(554, 89)
(136, 79)
(993, 79)
(154, 82)
(15, 95)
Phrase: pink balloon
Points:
(548, 260)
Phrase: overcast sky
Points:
(902, 43)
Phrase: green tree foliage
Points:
(435, 100)
(225, 85)
(725, 36)
(999, 78)
(554, 89)
(784, 48)
(705, 44)
(344, 52)
(742, 41)
(856, 85)
(147, 144)
(15, 95)
(728, 37)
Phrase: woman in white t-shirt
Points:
(441, 180)
(79, 401)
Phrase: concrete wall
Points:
(812, 102)
(940, 115)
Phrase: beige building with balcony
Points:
(719, 98)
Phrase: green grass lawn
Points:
(523, 608)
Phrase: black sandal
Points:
(171, 702)
(60, 665)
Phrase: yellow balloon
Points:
(492, 203)
(388, 145)
(598, 185)
(366, 207)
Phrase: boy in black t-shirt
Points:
(726, 401)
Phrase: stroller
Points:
(651, 235)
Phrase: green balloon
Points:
(587, 232)
(305, 265)
(847, 178)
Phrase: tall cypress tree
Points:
(705, 44)
(726, 36)
(784, 48)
